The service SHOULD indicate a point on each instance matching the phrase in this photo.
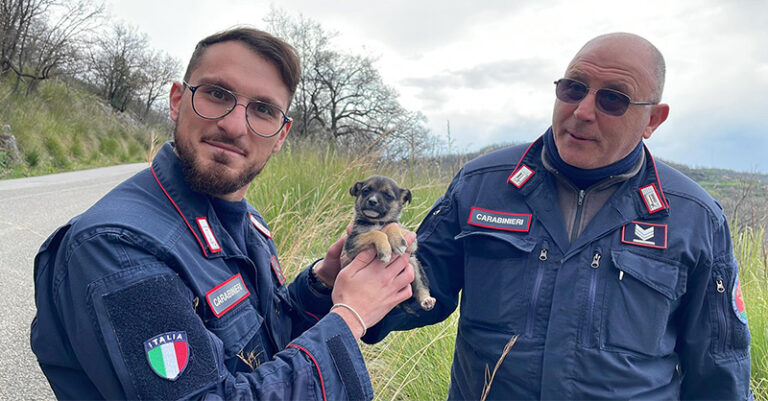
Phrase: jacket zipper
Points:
(577, 219)
(592, 295)
(721, 314)
(535, 293)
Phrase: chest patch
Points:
(277, 270)
(499, 220)
(226, 295)
(645, 234)
(168, 354)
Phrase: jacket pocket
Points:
(498, 278)
(730, 334)
(640, 300)
(236, 328)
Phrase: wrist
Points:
(351, 318)
(322, 274)
(316, 283)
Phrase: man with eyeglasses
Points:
(170, 287)
(610, 274)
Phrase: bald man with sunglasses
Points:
(612, 272)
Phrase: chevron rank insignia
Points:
(645, 234)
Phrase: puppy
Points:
(379, 203)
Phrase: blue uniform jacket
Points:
(146, 296)
(644, 304)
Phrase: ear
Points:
(281, 136)
(405, 195)
(658, 115)
(177, 90)
(355, 190)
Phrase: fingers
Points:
(410, 237)
(334, 251)
(403, 276)
(360, 261)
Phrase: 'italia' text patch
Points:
(226, 295)
(499, 220)
(645, 234)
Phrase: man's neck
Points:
(236, 196)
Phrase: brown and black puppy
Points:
(379, 203)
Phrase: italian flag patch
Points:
(168, 354)
(737, 301)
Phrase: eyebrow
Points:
(221, 83)
(617, 86)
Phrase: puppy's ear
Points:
(355, 190)
(405, 195)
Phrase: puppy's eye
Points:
(366, 191)
(388, 196)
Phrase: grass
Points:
(750, 249)
(60, 128)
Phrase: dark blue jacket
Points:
(644, 304)
(146, 296)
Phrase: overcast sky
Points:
(488, 66)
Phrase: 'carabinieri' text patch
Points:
(226, 295)
(499, 220)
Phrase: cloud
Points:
(489, 79)
(412, 27)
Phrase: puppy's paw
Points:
(428, 303)
(384, 255)
(397, 241)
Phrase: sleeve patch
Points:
(154, 309)
(737, 301)
(346, 368)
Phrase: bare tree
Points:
(115, 65)
(159, 70)
(58, 45)
(16, 18)
(310, 41)
(342, 98)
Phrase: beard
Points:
(212, 180)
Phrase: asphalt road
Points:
(30, 209)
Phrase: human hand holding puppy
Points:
(371, 288)
(367, 285)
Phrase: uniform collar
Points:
(648, 197)
(195, 208)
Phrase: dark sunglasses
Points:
(609, 101)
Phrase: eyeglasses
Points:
(609, 101)
(213, 102)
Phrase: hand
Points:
(327, 269)
(372, 287)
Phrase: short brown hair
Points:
(272, 48)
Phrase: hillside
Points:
(61, 127)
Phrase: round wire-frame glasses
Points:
(213, 102)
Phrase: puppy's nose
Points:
(372, 201)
